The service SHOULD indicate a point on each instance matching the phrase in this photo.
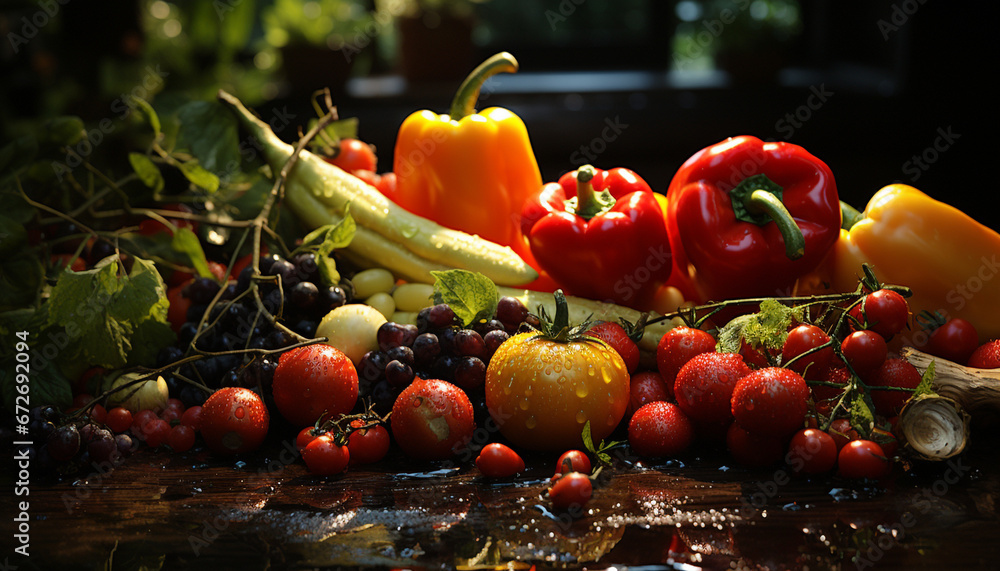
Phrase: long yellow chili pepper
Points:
(949, 260)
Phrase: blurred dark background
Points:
(883, 91)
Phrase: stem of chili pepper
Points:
(771, 205)
(464, 103)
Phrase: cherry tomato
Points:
(368, 445)
(179, 305)
(571, 491)
(192, 417)
(646, 387)
(157, 432)
(615, 335)
(835, 375)
(955, 341)
(305, 436)
(573, 461)
(864, 351)
(862, 459)
(894, 372)
(542, 392)
(432, 419)
(806, 338)
(677, 347)
(704, 387)
(497, 460)
(234, 421)
(180, 438)
(842, 432)
(771, 401)
(68, 262)
(354, 155)
(312, 380)
(886, 312)
(324, 456)
(812, 451)
(119, 419)
(386, 184)
(660, 429)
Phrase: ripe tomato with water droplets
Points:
(432, 419)
(541, 392)
(312, 380)
(234, 421)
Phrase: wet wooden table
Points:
(195, 511)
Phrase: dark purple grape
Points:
(100, 250)
(305, 328)
(441, 316)
(485, 327)
(446, 338)
(470, 373)
(274, 301)
(192, 396)
(403, 354)
(125, 444)
(511, 312)
(64, 443)
(229, 292)
(168, 355)
(304, 295)
(258, 373)
(187, 332)
(444, 367)
(231, 378)
(493, 340)
(391, 334)
(530, 323)
(469, 343)
(426, 348)
(423, 320)
(202, 290)
(398, 374)
(305, 265)
(243, 280)
(278, 339)
(40, 430)
(102, 446)
(195, 311)
(383, 395)
(372, 366)
(331, 298)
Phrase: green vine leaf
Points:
(471, 295)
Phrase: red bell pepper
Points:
(746, 218)
(600, 235)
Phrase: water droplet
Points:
(528, 392)
(581, 417)
(240, 412)
(531, 422)
(582, 390)
(506, 390)
(611, 420)
(524, 405)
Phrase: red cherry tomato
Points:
(955, 340)
(497, 460)
(894, 372)
(571, 491)
(354, 155)
(812, 451)
(886, 312)
(181, 438)
(119, 419)
(432, 419)
(751, 449)
(803, 340)
(842, 432)
(192, 417)
(369, 444)
(864, 350)
(324, 456)
(234, 421)
(660, 429)
(573, 461)
(862, 459)
(312, 380)
(646, 387)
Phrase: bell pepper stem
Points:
(766, 202)
(849, 215)
(589, 203)
(464, 103)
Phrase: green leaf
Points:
(210, 133)
(186, 242)
(768, 328)
(926, 386)
(471, 295)
(200, 177)
(154, 119)
(861, 415)
(147, 170)
(101, 312)
(339, 235)
(588, 438)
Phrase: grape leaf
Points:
(210, 134)
(471, 295)
(199, 176)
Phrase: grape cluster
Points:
(439, 347)
(63, 447)
(235, 323)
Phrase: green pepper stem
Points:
(849, 215)
(464, 103)
(769, 204)
(589, 202)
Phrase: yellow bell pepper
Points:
(466, 170)
(948, 259)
